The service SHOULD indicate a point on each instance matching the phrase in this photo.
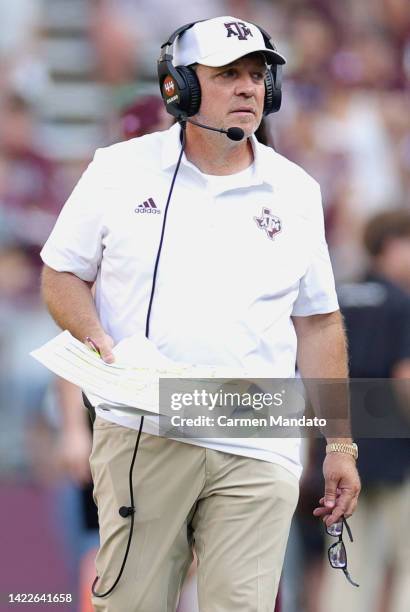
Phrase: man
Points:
(377, 316)
(243, 266)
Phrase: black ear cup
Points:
(273, 91)
(191, 100)
(269, 85)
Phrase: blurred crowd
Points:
(345, 119)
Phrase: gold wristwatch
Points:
(341, 447)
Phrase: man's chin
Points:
(248, 124)
(248, 128)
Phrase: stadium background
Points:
(67, 70)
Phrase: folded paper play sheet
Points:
(131, 382)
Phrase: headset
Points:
(180, 88)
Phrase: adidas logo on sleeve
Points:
(148, 206)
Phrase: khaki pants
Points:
(234, 510)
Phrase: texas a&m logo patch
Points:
(271, 224)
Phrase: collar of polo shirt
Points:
(172, 146)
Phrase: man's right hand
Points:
(103, 344)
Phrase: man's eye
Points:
(228, 73)
(259, 76)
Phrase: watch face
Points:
(355, 449)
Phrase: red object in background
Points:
(142, 117)
(31, 182)
(33, 552)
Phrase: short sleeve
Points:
(317, 293)
(75, 243)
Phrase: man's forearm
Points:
(71, 304)
(322, 354)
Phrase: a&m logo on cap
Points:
(268, 222)
(239, 29)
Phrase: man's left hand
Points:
(342, 488)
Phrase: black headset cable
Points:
(125, 511)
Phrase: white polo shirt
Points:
(241, 254)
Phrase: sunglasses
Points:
(337, 551)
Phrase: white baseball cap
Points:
(220, 41)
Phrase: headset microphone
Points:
(233, 133)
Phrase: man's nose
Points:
(245, 86)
